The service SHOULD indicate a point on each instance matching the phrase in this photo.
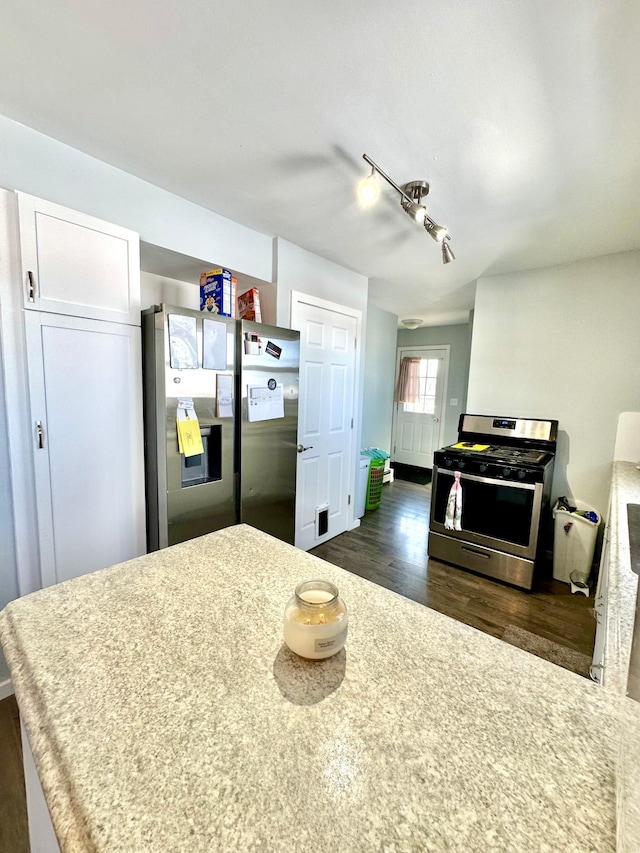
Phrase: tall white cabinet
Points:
(79, 300)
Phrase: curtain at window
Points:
(408, 385)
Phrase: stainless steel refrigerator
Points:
(202, 366)
(268, 360)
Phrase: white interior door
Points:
(417, 427)
(86, 408)
(325, 420)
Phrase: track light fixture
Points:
(411, 196)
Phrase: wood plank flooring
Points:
(390, 548)
(14, 834)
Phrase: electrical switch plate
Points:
(453, 401)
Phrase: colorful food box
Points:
(249, 305)
(218, 292)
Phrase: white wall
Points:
(379, 378)
(562, 342)
(297, 269)
(46, 168)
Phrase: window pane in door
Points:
(428, 375)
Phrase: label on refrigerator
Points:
(264, 403)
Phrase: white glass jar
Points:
(315, 620)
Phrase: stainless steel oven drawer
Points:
(486, 561)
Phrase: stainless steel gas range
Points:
(505, 468)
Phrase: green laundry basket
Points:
(374, 485)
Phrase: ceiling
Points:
(523, 116)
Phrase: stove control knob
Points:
(521, 475)
(461, 464)
(482, 468)
(448, 462)
(506, 472)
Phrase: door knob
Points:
(435, 420)
(301, 449)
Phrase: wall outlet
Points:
(453, 401)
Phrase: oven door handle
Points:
(511, 483)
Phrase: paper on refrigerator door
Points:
(264, 403)
(183, 342)
(188, 427)
(224, 395)
(214, 345)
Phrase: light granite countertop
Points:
(623, 583)
(165, 714)
(621, 605)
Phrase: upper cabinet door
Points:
(78, 265)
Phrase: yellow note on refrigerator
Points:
(189, 437)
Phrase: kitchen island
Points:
(164, 713)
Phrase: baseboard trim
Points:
(6, 689)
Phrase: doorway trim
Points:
(423, 348)
(297, 298)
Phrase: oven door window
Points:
(500, 511)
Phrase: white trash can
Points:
(362, 478)
(574, 541)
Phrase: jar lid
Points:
(316, 593)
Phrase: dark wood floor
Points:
(390, 548)
(14, 837)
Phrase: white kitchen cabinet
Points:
(77, 265)
(86, 421)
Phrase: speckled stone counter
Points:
(621, 604)
(623, 583)
(165, 714)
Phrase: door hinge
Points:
(349, 501)
(355, 343)
(31, 287)
(351, 423)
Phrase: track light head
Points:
(447, 254)
(437, 232)
(369, 190)
(416, 211)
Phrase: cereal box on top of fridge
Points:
(249, 305)
(217, 292)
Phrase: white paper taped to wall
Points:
(264, 403)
